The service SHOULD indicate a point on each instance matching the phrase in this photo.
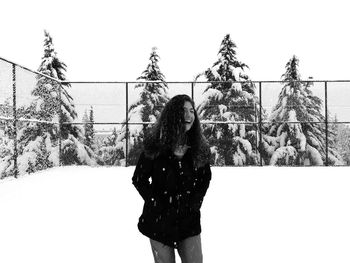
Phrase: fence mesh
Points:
(45, 122)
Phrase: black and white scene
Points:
(174, 131)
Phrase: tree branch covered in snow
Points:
(297, 121)
(232, 100)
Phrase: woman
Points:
(176, 161)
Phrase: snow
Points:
(292, 116)
(29, 155)
(214, 151)
(237, 87)
(314, 141)
(283, 153)
(222, 109)
(215, 73)
(284, 102)
(283, 139)
(314, 155)
(82, 152)
(246, 145)
(135, 114)
(246, 95)
(38, 104)
(30, 120)
(208, 97)
(152, 118)
(238, 157)
(67, 114)
(255, 214)
(5, 118)
(6, 163)
(280, 129)
(228, 116)
(233, 127)
(242, 131)
(302, 140)
(218, 134)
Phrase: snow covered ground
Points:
(250, 214)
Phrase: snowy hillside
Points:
(268, 214)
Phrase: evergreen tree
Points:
(296, 135)
(6, 109)
(230, 98)
(6, 139)
(85, 120)
(6, 148)
(153, 95)
(89, 132)
(147, 107)
(52, 66)
(112, 152)
(38, 141)
(334, 155)
(342, 142)
(6, 112)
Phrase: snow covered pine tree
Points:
(6, 139)
(232, 100)
(38, 142)
(89, 132)
(343, 141)
(146, 108)
(111, 151)
(296, 133)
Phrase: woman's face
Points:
(189, 115)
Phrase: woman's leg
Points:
(162, 253)
(190, 250)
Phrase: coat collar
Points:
(170, 154)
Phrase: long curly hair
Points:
(169, 131)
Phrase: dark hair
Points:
(169, 130)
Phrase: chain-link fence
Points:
(45, 122)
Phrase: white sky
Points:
(112, 40)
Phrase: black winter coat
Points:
(173, 191)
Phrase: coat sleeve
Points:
(141, 177)
(200, 187)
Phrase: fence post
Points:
(126, 123)
(15, 153)
(326, 113)
(192, 90)
(59, 126)
(260, 124)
